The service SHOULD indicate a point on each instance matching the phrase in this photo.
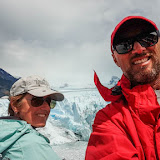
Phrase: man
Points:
(129, 127)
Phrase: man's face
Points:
(141, 65)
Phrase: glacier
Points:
(77, 112)
(70, 122)
(71, 119)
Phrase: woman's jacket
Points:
(20, 141)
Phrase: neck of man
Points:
(156, 84)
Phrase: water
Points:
(71, 151)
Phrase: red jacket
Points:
(129, 127)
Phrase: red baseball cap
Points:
(128, 20)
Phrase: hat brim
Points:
(41, 92)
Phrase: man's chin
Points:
(145, 78)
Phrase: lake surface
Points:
(71, 151)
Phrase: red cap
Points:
(127, 19)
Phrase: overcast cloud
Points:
(64, 40)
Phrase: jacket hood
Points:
(112, 94)
(10, 131)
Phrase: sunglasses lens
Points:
(149, 40)
(37, 101)
(146, 40)
(48, 100)
(52, 104)
(123, 47)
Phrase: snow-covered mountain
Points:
(67, 87)
(113, 81)
(6, 76)
(6, 81)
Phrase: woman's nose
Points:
(45, 105)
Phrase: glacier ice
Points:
(78, 111)
(72, 119)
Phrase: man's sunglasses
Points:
(145, 40)
(38, 101)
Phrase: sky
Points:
(64, 40)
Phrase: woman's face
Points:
(36, 116)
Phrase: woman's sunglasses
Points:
(38, 101)
(145, 40)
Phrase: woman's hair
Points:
(16, 102)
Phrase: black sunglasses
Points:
(38, 101)
(145, 40)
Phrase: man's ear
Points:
(115, 59)
(15, 109)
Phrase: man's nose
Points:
(138, 48)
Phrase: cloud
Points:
(64, 40)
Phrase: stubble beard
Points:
(144, 76)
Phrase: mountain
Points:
(113, 80)
(6, 81)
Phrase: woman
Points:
(31, 99)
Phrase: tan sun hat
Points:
(36, 86)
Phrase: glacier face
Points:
(72, 119)
(77, 112)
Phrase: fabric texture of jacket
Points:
(129, 127)
(19, 141)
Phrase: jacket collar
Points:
(104, 91)
(10, 117)
(141, 99)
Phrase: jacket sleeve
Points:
(109, 142)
